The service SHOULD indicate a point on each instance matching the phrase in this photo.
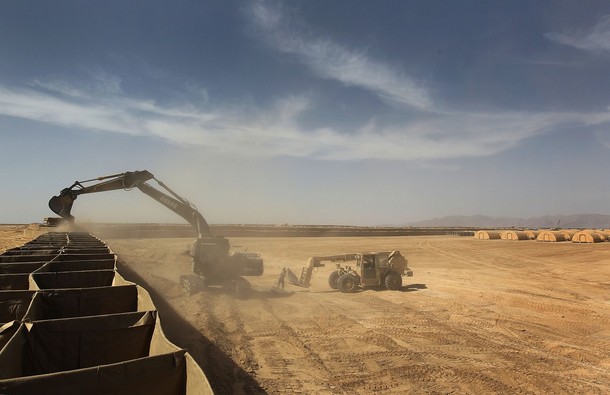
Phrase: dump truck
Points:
(372, 269)
(213, 264)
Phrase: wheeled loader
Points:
(386, 268)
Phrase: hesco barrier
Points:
(121, 231)
(70, 324)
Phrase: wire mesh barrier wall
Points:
(69, 323)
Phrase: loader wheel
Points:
(348, 283)
(333, 279)
(393, 281)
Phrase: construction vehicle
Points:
(372, 269)
(52, 222)
(213, 264)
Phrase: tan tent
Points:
(487, 235)
(587, 236)
(604, 234)
(568, 233)
(514, 235)
(551, 236)
(532, 234)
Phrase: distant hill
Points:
(550, 221)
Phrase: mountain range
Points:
(597, 221)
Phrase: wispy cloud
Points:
(331, 60)
(194, 119)
(596, 38)
(603, 136)
(275, 131)
(552, 63)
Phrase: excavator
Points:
(385, 268)
(213, 264)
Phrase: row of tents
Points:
(71, 324)
(573, 235)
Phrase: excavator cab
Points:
(208, 252)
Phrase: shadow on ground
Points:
(257, 294)
(224, 375)
(413, 287)
(404, 288)
(380, 288)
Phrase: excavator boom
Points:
(211, 255)
(62, 204)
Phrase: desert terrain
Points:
(477, 317)
(16, 235)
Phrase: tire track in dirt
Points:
(394, 331)
(517, 357)
(494, 318)
(427, 245)
(287, 349)
(433, 357)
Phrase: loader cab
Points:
(368, 270)
(372, 267)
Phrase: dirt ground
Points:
(477, 317)
(16, 235)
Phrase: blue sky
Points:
(313, 112)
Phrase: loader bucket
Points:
(293, 279)
(62, 205)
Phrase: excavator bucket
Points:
(62, 205)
